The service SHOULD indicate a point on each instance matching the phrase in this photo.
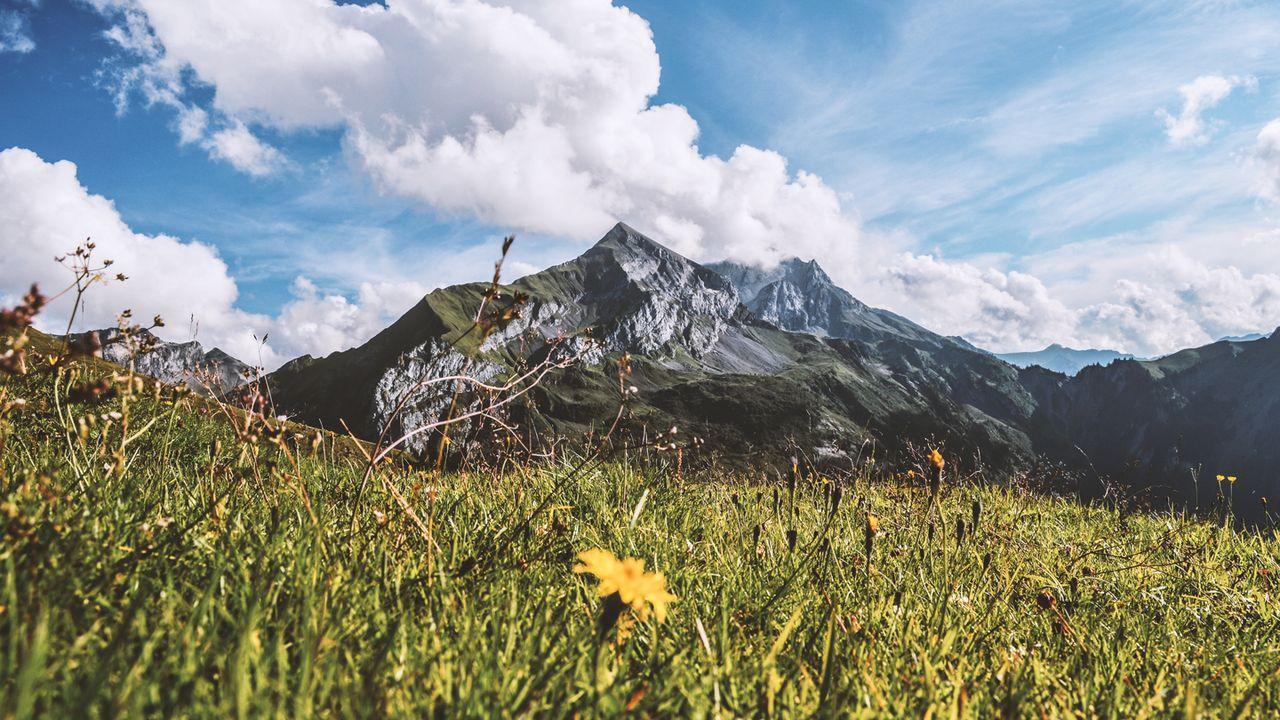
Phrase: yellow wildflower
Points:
(873, 524)
(911, 474)
(935, 458)
(627, 579)
(1231, 479)
(1221, 478)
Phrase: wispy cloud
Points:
(1189, 127)
(15, 27)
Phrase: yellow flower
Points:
(636, 588)
(1231, 478)
(873, 525)
(911, 474)
(1221, 478)
(935, 458)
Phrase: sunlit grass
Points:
(204, 571)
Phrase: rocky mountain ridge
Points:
(1171, 425)
(211, 372)
(798, 295)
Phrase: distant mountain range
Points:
(185, 363)
(770, 364)
(1248, 337)
(1068, 361)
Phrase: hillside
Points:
(1170, 426)
(220, 572)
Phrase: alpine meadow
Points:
(432, 358)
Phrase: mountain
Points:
(701, 360)
(1247, 337)
(1170, 425)
(798, 295)
(770, 365)
(213, 372)
(1065, 360)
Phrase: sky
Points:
(1096, 174)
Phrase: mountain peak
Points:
(805, 272)
(798, 295)
(623, 236)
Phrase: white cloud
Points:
(238, 146)
(991, 308)
(538, 115)
(45, 211)
(159, 82)
(1188, 127)
(1148, 298)
(15, 32)
(534, 114)
(315, 323)
(1266, 159)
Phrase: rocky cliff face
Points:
(798, 295)
(645, 298)
(210, 373)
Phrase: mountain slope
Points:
(1065, 360)
(701, 360)
(1157, 424)
(798, 295)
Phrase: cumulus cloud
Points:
(158, 82)
(538, 115)
(45, 211)
(1159, 299)
(534, 115)
(991, 308)
(316, 323)
(1189, 127)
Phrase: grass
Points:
(201, 571)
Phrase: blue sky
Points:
(1093, 173)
